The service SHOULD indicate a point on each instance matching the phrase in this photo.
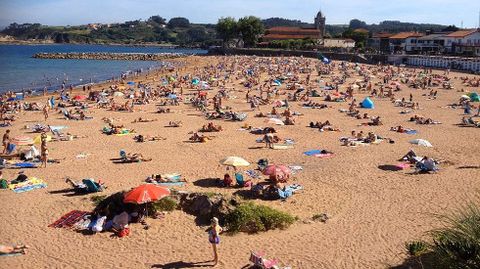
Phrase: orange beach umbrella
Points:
(146, 193)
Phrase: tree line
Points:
(246, 31)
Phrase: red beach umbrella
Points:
(146, 193)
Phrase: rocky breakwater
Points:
(109, 56)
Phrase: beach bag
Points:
(3, 184)
(124, 232)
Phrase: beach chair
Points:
(259, 260)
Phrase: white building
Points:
(465, 42)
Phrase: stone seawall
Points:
(109, 56)
(351, 57)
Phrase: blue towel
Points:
(411, 132)
(312, 152)
(25, 165)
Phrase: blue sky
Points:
(74, 12)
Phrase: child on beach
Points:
(214, 238)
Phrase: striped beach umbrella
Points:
(22, 141)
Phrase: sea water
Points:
(19, 71)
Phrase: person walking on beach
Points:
(44, 149)
(6, 141)
(214, 238)
(45, 111)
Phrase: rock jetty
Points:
(109, 56)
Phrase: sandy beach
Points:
(373, 212)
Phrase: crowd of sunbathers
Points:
(423, 120)
(323, 126)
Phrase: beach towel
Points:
(69, 219)
(10, 254)
(252, 174)
(172, 177)
(125, 132)
(171, 184)
(25, 165)
(289, 191)
(323, 155)
(32, 183)
(411, 132)
(403, 166)
(295, 169)
(282, 146)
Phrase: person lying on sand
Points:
(148, 138)
(157, 178)
(175, 124)
(140, 119)
(422, 120)
(376, 121)
(398, 129)
(199, 138)
(162, 110)
(81, 186)
(261, 115)
(20, 249)
(135, 157)
(210, 127)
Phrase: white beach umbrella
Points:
(421, 142)
(234, 161)
(274, 121)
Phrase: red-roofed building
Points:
(380, 41)
(282, 33)
(404, 41)
(465, 42)
(316, 32)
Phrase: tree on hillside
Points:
(250, 28)
(357, 24)
(178, 22)
(274, 22)
(450, 28)
(359, 37)
(226, 29)
(157, 20)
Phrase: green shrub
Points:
(165, 204)
(454, 246)
(97, 199)
(457, 245)
(416, 248)
(252, 218)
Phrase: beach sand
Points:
(373, 212)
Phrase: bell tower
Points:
(320, 23)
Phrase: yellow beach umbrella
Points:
(38, 139)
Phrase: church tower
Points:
(320, 24)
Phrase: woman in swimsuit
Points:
(214, 238)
